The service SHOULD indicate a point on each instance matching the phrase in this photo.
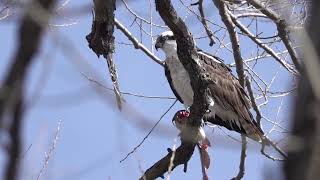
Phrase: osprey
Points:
(231, 107)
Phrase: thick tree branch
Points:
(304, 145)
(282, 29)
(181, 156)
(189, 58)
(11, 92)
(101, 39)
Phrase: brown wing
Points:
(229, 94)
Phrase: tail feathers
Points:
(254, 132)
(249, 128)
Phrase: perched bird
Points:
(231, 105)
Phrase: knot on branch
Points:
(101, 39)
(282, 27)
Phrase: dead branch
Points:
(187, 55)
(223, 11)
(182, 156)
(101, 39)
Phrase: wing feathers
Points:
(231, 97)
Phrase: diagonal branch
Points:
(282, 29)
(270, 51)
(223, 11)
(136, 43)
(181, 156)
(233, 38)
(204, 22)
(189, 58)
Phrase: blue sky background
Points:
(94, 135)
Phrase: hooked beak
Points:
(158, 45)
(174, 120)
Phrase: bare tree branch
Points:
(136, 43)
(204, 22)
(242, 159)
(282, 29)
(261, 44)
(101, 39)
(11, 91)
(223, 11)
(189, 58)
(182, 156)
(51, 151)
(153, 127)
(225, 16)
(253, 101)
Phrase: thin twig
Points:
(204, 23)
(269, 156)
(253, 102)
(141, 18)
(171, 165)
(51, 151)
(154, 126)
(136, 43)
(242, 159)
(282, 29)
(126, 93)
(261, 44)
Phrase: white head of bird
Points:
(167, 42)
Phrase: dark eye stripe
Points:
(164, 38)
(171, 38)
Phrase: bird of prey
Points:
(231, 108)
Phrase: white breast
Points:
(181, 80)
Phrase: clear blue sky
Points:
(94, 135)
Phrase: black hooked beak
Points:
(175, 117)
(174, 120)
(158, 45)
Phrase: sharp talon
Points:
(185, 167)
